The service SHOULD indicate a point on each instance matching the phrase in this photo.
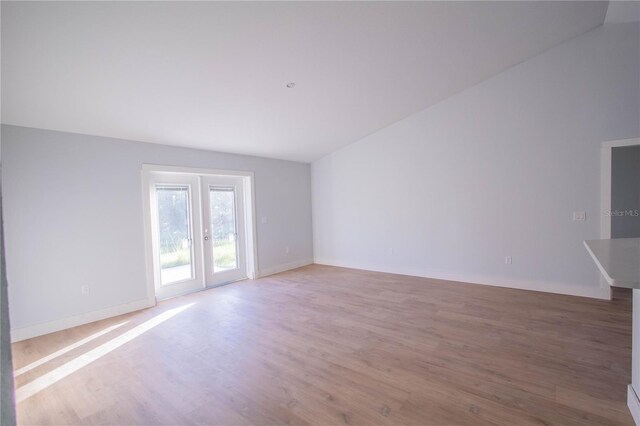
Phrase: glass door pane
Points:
(224, 234)
(174, 228)
(223, 229)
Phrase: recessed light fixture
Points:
(291, 85)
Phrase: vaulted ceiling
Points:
(214, 75)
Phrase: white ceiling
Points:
(213, 75)
(622, 11)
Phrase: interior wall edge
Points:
(284, 267)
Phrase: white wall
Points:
(73, 216)
(496, 170)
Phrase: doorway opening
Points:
(199, 228)
(619, 189)
(610, 209)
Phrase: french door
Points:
(175, 219)
(198, 232)
(224, 230)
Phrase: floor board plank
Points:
(324, 345)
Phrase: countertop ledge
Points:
(618, 259)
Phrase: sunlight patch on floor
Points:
(63, 351)
(83, 360)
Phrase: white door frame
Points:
(249, 215)
(605, 182)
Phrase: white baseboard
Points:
(559, 288)
(74, 321)
(547, 287)
(24, 333)
(284, 267)
(634, 404)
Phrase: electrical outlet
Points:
(84, 289)
(287, 250)
(508, 260)
(579, 216)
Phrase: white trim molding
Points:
(284, 267)
(36, 330)
(634, 404)
(570, 289)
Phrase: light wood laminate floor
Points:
(324, 345)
